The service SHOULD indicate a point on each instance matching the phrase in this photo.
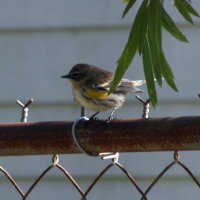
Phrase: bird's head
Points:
(78, 72)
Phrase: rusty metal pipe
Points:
(123, 135)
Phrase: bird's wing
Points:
(102, 87)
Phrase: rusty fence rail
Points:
(125, 135)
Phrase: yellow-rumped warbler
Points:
(90, 86)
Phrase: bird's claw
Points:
(93, 118)
(107, 121)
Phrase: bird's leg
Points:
(83, 111)
(93, 116)
(110, 116)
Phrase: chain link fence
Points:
(114, 163)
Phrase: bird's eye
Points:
(75, 74)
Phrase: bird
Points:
(91, 85)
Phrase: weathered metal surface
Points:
(123, 135)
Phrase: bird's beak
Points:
(66, 76)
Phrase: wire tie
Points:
(55, 159)
(25, 109)
(146, 106)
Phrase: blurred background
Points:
(40, 41)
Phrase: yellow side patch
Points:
(97, 94)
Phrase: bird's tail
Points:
(130, 86)
(138, 82)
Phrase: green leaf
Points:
(142, 27)
(167, 73)
(123, 63)
(155, 59)
(191, 9)
(125, 1)
(171, 27)
(155, 20)
(129, 50)
(148, 71)
(128, 7)
(182, 8)
(154, 37)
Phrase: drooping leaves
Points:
(146, 38)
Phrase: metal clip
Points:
(103, 156)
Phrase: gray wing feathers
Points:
(124, 86)
(138, 82)
(130, 86)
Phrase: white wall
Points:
(39, 41)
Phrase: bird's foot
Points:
(93, 118)
(110, 118)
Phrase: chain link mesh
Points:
(84, 194)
